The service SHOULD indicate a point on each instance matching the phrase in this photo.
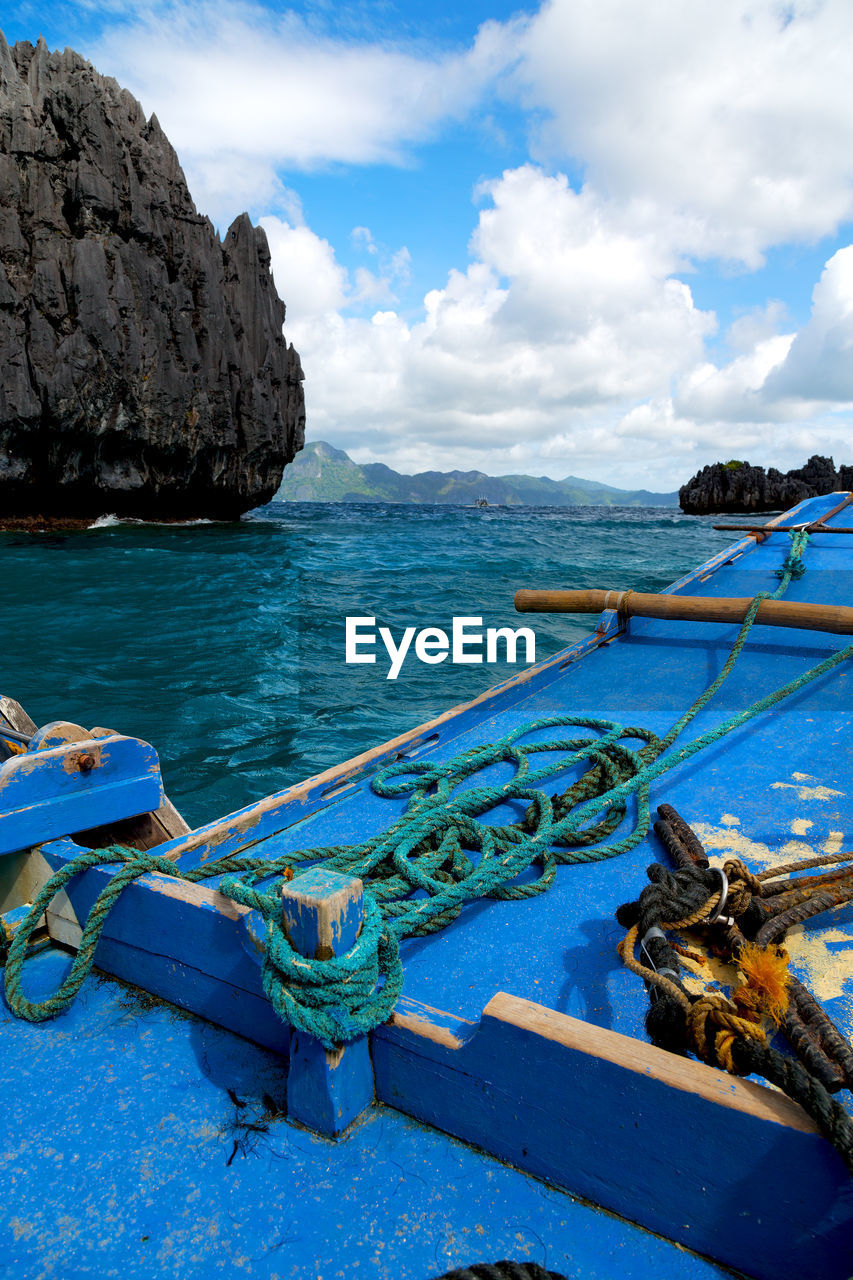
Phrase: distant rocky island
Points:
(735, 486)
(322, 473)
(143, 370)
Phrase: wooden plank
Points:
(70, 787)
(638, 604)
(177, 922)
(728, 1167)
(783, 528)
(15, 715)
(58, 732)
(143, 832)
(210, 996)
(779, 525)
(195, 925)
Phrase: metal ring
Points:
(717, 917)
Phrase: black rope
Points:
(677, 895)
(792, 1078)
(505, 1270)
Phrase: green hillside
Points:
(322, 473)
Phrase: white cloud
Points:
(265, 91)
(786, 377)
(757, 324)
(362, 238)
(314, 285)
(734, 392)
(560, 322)
(566, 346)
(569, 340)
(306, 272)
(818, 368)
(730, 118)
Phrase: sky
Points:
(587, 237)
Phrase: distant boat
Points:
(482, 501)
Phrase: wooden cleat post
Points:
(322, 915)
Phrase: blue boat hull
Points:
(519, 1032)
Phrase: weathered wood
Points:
(145, 831)
(783, 528)
(771, 613)
(141, 831)
(778, 525)
(73, 786)
(10, 922)
(660, 1139)
(193, 947)
(728, 1167)
(322, 914)
(58, 732)
(15, 715)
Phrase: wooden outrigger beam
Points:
(784, 528)
(772, 613)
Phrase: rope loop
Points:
(720, 1013)
(335, 1000)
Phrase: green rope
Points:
(435, 857)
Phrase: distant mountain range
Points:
(322, 473)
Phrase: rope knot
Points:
(743, 886)
(335, 1000)
(792, 566)
(713, 1012)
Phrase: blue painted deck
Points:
(777, 789)
(780, 784)
(114, 1161)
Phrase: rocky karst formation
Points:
(143, 369)
(736, 486)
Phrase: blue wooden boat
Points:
(508, 1102)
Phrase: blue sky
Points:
(607, 240)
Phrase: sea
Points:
(224, 645)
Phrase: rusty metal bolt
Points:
(86, 762)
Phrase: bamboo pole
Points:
(784, 528)
(772, 613)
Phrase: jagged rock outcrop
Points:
(736, 486)
(143, 370)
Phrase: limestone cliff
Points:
(143, 370)
(736, 486)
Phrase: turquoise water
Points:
(224, 644)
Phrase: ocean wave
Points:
(225, 646)
(114, 522)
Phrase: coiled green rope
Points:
(429, 848)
